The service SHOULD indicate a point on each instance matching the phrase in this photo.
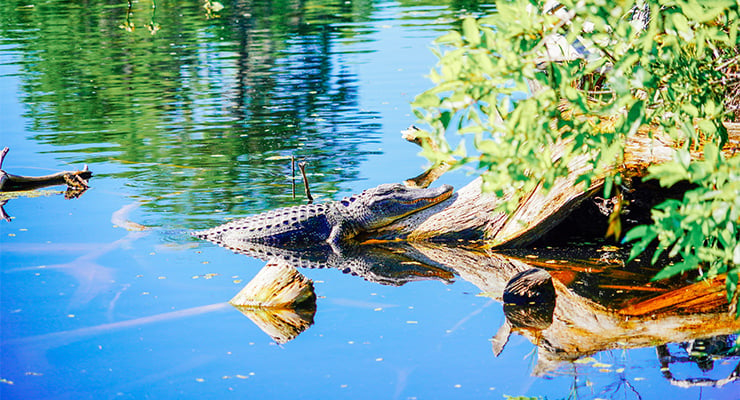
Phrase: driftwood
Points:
(435, 171)
(11, 183)
(471, 214)
(279, 300)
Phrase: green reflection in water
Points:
(199, 105)
(203, 104)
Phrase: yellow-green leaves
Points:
(471, 32)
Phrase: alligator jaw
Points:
(393, 202)
(431, 200)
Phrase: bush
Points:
(528, 90)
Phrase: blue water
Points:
(184, 129)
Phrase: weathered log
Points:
(529, 303)
(277, 285)
(12, 183)
(472, 214)
(533, 286)
(279, 300)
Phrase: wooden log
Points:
(279, 300)
(533, 286)
(472, 214)
(277, 285)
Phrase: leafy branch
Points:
(528, 90)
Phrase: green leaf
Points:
(426, 100)
(689, 263)
(470, 31)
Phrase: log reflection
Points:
(279, 300)
(570, 303)
(599, 303)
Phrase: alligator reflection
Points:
(384, 264)
(596, 303)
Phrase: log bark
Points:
(472, 214)
(277, 285)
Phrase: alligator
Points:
(312, 225)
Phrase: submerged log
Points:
(279, 300)
(11, 183)
(533, 286)
(472, 214)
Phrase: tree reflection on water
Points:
(202, 104)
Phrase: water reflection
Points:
(201, 100)
(384, 264)
(566, 324)
(200, 105)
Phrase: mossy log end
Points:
(471, 214)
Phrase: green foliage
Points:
(664, 75)
(702, 228)
(534, 89)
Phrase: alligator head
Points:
(387, 203)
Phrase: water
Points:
(189, 119)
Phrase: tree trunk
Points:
(471, 214)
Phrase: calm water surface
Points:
(187, 118)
